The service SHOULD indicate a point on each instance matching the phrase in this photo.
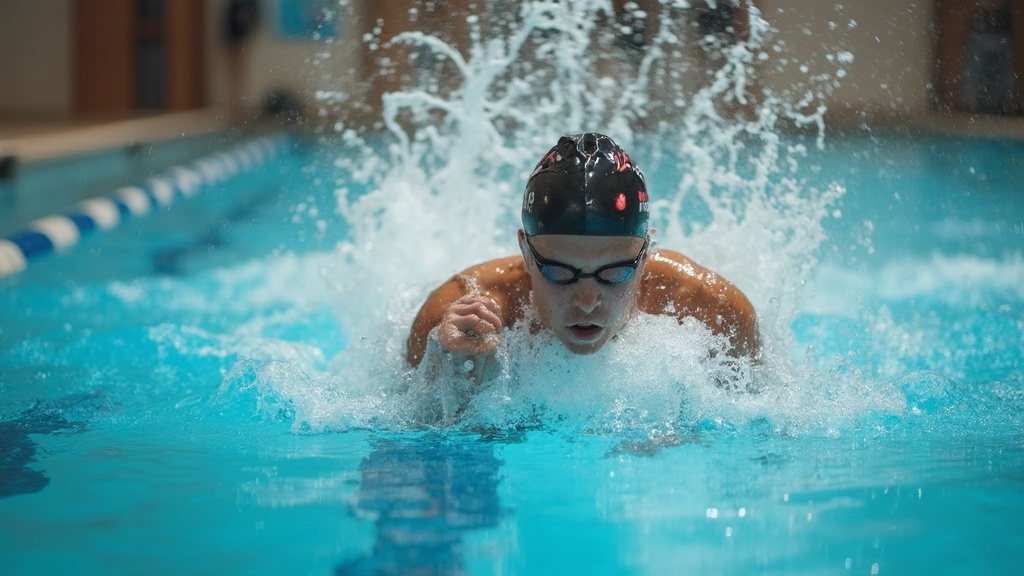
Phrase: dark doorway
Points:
(980, 50)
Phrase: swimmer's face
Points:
(585, 314)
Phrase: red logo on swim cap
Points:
(641, 195)
(620, 202)
(621, 160)
(544, 163)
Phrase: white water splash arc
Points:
(443, 191)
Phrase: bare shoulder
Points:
(503, 279)
(675, 285)
(674, 276)
(498, 274)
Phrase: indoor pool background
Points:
(217, 387)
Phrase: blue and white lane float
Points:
(56, 232)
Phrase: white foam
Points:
(955, 279)
(655, 380)
(249, 287)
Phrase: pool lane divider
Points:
(57, 232)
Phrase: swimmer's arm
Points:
(740, 320)
(482, 300)
(436, 360)
(429, 317)
(460, 319)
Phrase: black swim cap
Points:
(586, 185)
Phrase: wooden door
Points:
(104, 55)
(139, 55)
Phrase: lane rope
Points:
(60, 231)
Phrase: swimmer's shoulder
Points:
(671, 270)
(672, 284)
(504, 279)
(676, 285)
(675, 273)
(494, 274)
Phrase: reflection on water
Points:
(424, 494)
(18, 450)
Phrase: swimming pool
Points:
(218, 388)
(170, 406)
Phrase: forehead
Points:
(574, 249)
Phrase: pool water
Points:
(160, 412)
(219, 387)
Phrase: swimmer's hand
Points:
(471, 325)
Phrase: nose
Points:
(587, 297)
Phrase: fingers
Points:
(477, 314)
(472, 324)
(454, 340)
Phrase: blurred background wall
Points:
(35, 57)
(915, 62)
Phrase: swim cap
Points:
(586, 185)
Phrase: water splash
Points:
(440, 190)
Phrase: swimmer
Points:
(587, 267)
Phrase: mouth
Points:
(585, 331)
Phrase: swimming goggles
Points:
(611, 274)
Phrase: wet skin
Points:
(471, 309)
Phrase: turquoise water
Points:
(182, 395)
